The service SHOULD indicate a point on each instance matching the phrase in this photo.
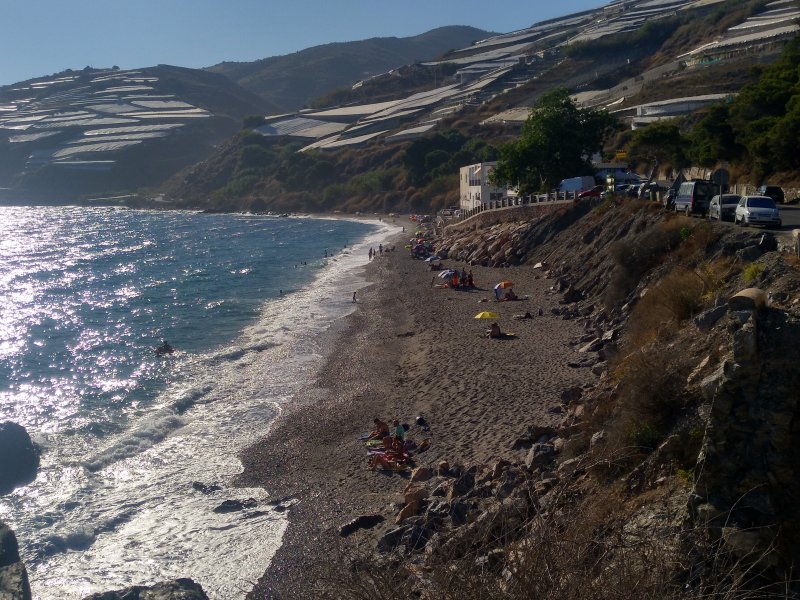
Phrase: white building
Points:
(475, 188)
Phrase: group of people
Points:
(392, 453)
(462, 280)
(381, 249)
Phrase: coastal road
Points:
(790, 215)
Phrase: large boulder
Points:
(13, 576)
(20, 457)
(749, 299)
(177, 589)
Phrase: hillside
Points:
(101, 131)
(292, 81)
(395, 143)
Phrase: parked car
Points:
(621, 188)
(723, 207)
(576, 184)
(693, 197)
(595, 192)
(649, 191)
(757, 210)
(773, 191)
(633, 191)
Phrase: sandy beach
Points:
(409, 349)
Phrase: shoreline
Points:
(409, 349)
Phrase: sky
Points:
(41, 37)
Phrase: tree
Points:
(557, 142)
(713, 138)
(661, 141)
(253, 121)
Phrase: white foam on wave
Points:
(144, 435)
(133, 517)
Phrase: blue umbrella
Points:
(430, 258)
(446, 273)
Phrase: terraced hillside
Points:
(101, 131)
(633, 44)
(642, 60)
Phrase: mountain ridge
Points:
(281, 80)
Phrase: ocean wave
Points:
(81, 538)
(234, 353)
(149, 432)
(191, 397)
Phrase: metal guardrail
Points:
(504, 203)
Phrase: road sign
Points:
(720, 177)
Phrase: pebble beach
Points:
(410, 349)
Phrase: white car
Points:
(757, 210)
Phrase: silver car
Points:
(757, 210)
(723, 207)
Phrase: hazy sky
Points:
(40, 37)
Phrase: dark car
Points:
(693, 197)
(773, 191)
(723, 208)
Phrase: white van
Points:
(576, 184)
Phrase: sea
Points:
(86, 294)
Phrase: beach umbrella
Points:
(503, 285)
(446, 273)
(487, 315)
(431, 258)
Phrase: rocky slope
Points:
(674, 475)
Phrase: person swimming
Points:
(164, 348)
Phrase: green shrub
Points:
(751, 272)
(646, 437)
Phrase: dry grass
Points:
(649, 398)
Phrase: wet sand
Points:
(409, 349)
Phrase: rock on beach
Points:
(20, 457)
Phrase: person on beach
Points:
(470, 281)
(398, 435)
(381, 430)
(370, 253)
(354, 296)
(388, 461)
(494, 331)
(380, 248)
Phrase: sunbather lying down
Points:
(391, 461)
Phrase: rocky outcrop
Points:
(178, 589)
(20, 457)
(13, 576)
